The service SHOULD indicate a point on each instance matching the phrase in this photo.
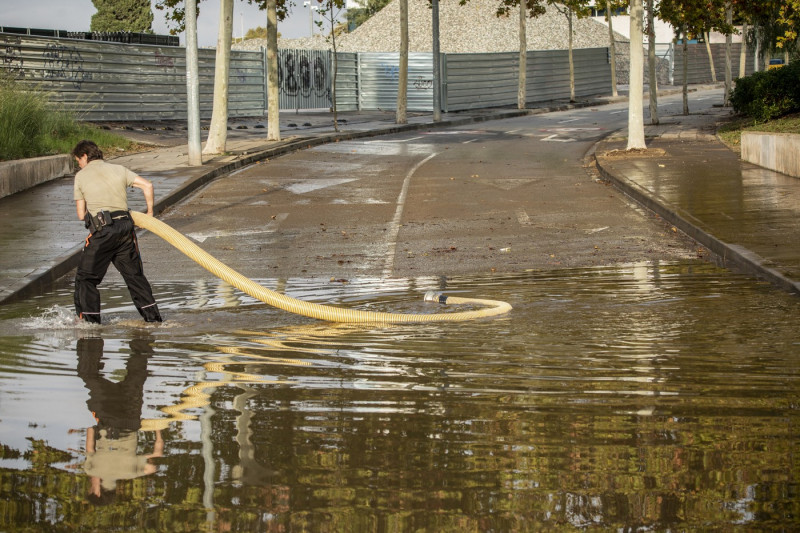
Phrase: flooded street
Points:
(649, 396)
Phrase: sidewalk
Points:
(746, 215)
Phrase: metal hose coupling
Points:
(434, 296)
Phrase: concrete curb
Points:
(774, 151)
(22, 174)
(730, 255)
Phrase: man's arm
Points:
(80, 206)
(147, 190)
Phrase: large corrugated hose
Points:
(312, 310)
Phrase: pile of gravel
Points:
(471, 28)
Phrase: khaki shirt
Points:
(103, 186)
(115, 459)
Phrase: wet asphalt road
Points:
(503, 196)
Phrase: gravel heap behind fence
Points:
(471, 28)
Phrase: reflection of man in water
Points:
(111, 444)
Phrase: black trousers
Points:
(115, 244)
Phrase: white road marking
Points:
(394, 226)
(302, 187)
(271, 227)
(596, 230)
(552, 138)
(393, 140)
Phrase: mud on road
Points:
(459, 217)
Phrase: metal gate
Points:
(304, 79)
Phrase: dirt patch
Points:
(634, 153)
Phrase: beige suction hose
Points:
(312, 310)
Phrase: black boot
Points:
(91, 318)
(151, 314)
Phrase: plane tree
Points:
(276, 10)
(690, 17)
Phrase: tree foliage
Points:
(259, 32)
(504, 8)
(789, 16)
(356, 16)
(122, 15)
(693, 17)
(175, 13)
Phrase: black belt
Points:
(104, 218)
(118, 215)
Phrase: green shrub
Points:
(769, 94)
(31, 126)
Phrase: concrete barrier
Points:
(775, 151)
(21, 174)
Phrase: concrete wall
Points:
(16, 176)
(775, 151)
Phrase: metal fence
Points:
(699, 67)
(347, 81)
(110, 81)
(379, 77)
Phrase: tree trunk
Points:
(402, 82)
(218, 131)
(522, 99)
(710, 58)
(437, 68)
(192, 87)
(728, 60)
(651, 63)
(612, 50)
(743, 52)
(685, 71)
(757, 52)
(273, 90)
(335, 61)
(571, 62)
(636, 83)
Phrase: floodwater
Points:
(643, 397)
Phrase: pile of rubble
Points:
(471, 28)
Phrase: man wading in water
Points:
(101, 199)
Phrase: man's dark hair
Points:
(89, 149)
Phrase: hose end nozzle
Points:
(434, 296)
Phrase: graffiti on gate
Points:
(423, 84)
(62, 63)
(391, 71)
(163, 61)
(302, 75)
(11, 56)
